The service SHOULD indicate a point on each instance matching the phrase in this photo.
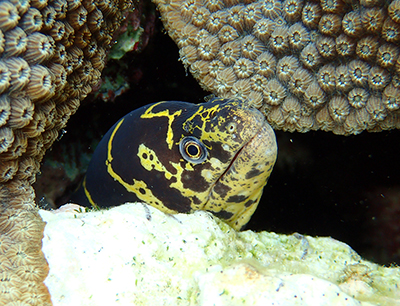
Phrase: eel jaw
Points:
(235, 196)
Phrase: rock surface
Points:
(136, 255)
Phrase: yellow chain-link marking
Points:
(88, 196)
(165, 113)
(148, 195)
(155, 164)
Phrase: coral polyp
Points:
(323, 38)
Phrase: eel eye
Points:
(193, 150)
(231, 127)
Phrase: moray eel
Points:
(180, 157)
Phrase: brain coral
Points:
(51, 54)
(329, 65)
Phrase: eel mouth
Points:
(230, 169)
(238, 153)
(247, 146)
(235, 194)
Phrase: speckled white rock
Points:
(137, 255)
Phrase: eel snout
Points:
(246, 176)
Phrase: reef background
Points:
(346, 187)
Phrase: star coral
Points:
(339, 60)
(51, 55)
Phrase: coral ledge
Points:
(136, 255)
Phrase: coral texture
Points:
(134, 254)
(23, 267)
(308, 65)
(51, 54)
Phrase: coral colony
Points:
(329, 65)
(51, 54)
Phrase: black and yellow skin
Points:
(180, 157)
